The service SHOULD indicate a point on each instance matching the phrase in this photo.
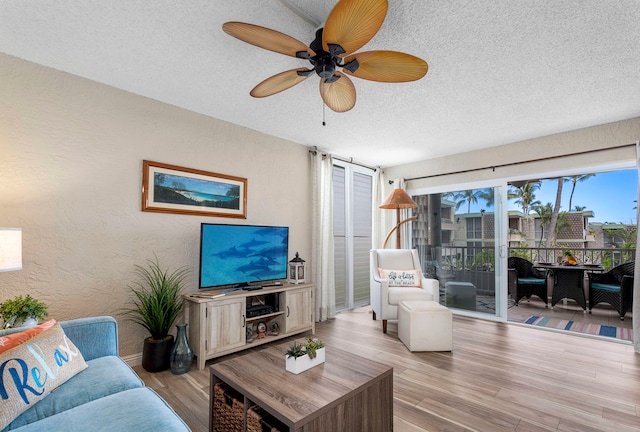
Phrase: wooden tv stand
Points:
(218, 325)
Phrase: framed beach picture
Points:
(173, 189)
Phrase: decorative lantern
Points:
(296, 270)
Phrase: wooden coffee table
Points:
(346, 393)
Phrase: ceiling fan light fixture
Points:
(325, 67)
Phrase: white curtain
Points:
(322, 271)
(636, 276)
(405, 232)
(378, 221)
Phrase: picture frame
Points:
(173, 189)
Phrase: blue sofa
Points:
(107, 396)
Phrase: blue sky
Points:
(610, 195)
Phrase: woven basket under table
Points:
(258, 420)
(228, 409)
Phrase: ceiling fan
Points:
(350, 25)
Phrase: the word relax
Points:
(34, 380)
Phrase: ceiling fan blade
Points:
(387, 66)
(339, 95)
(352, 23)
(266, 38)
(280, 82)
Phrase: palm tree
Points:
(469, 196)
(544, 212)
(556, 211)
(628, 236)
(524, 195)
(488, 196)
(579, 208)
(574, 181)
(562, 224)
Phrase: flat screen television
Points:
(237, 255)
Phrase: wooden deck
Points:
(499, 377)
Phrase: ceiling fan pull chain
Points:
(324, 106)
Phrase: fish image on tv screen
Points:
(242, 254)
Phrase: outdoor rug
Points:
(580, 327)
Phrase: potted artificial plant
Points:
(157, 303)
(26, 311)
(300, 357)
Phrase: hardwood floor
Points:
(499, 377)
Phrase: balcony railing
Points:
(477, 264)
(607, 257)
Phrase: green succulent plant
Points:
(295, 350)
(310, 346)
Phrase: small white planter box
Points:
(301, 364)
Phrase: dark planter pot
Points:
(155, 354)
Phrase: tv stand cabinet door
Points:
(299, 310)
(226, 322)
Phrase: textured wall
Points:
(71, 175)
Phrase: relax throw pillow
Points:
(33, 369)
(402, 278)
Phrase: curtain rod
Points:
(493, 167)
(315, 151)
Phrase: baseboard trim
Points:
(133, 360)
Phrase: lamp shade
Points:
(398, 199)
(10, 249)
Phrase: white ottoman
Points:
(460, 295)
(425, 326)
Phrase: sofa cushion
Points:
(532, 281)
(14, 339)
(104, 376)
(29, 372)
(134, 410)
(606, 287)
(94, 336)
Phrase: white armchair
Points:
(384, 298)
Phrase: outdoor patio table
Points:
(568, 282)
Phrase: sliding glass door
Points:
(457, 235)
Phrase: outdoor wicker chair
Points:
(527, 280)
(614, 287)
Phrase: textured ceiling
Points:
(499, 71)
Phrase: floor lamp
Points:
(398, 199)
